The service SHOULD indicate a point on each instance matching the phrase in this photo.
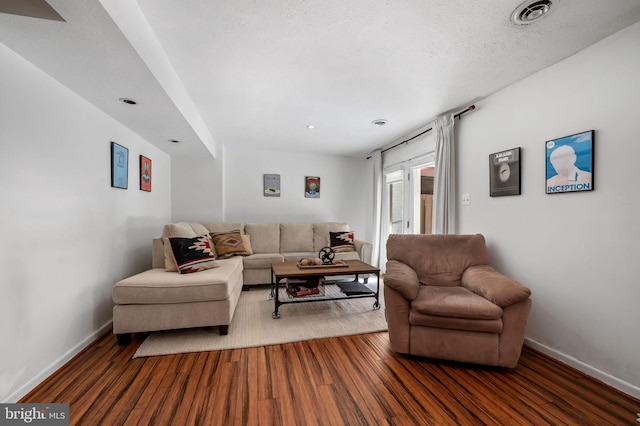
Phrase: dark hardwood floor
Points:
(353, 380)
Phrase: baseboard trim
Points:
(587, 369)
(55, 365)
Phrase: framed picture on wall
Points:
(504, 173)
(569, 163)
(145, 174)
(312, 187)
(119, 166)
(271, 185)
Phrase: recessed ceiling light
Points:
(531, 11)
(311, 126)
(127, 101)
(379, 122)
(174, 141)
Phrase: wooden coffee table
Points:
(281, 272)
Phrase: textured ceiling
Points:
(255, 73)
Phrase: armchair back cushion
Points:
(438, 259)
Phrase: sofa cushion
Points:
(342, 241)
(265, 237)
(466, 324)
(191, 254)
(184, 229)
(248, 248)
(169, 261)
(223, 226)
(262, 260)
(296, 256)
(296, 237)
(455, 302)
(156, 285)
(229, 244)
(321, 233)
(347, 255)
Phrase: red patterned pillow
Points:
(342, 241)
(193, 254)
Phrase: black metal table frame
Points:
(277, 283)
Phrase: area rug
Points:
(253, 325)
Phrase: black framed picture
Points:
(569, 163)
(119, 166)
(504, 173)
(271, 185)
(312, 186)
(145, 174)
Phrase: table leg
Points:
(376, 304)
(276, 300)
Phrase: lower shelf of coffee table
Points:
(331, 290)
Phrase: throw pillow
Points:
(342, 241)
(193, 254)
(229, 244)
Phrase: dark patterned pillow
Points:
(342, 241)
(229, 244)
(193, 254)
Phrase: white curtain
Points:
(378, 183)
(444, 185)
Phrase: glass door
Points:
(422, 198)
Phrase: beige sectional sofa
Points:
(161, 300)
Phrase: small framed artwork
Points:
(119, 166)
(504, 173)
(312, 187)
(271, 185)
(569, 164)
(145, 174)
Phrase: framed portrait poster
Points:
(271, 185)
(504, 173)
(569, 164)
(145, 174)
(119, 166)
(312, 187)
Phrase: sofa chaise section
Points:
(160, 300)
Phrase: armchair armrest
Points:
(400, 277)
(494, 286)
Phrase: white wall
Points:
(579, 252)
(196, 194)
(67, 236)
(345, 188)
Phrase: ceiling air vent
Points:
(531, 11)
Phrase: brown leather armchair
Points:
(444, 301)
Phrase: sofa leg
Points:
(123, 339)
(223, 330)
